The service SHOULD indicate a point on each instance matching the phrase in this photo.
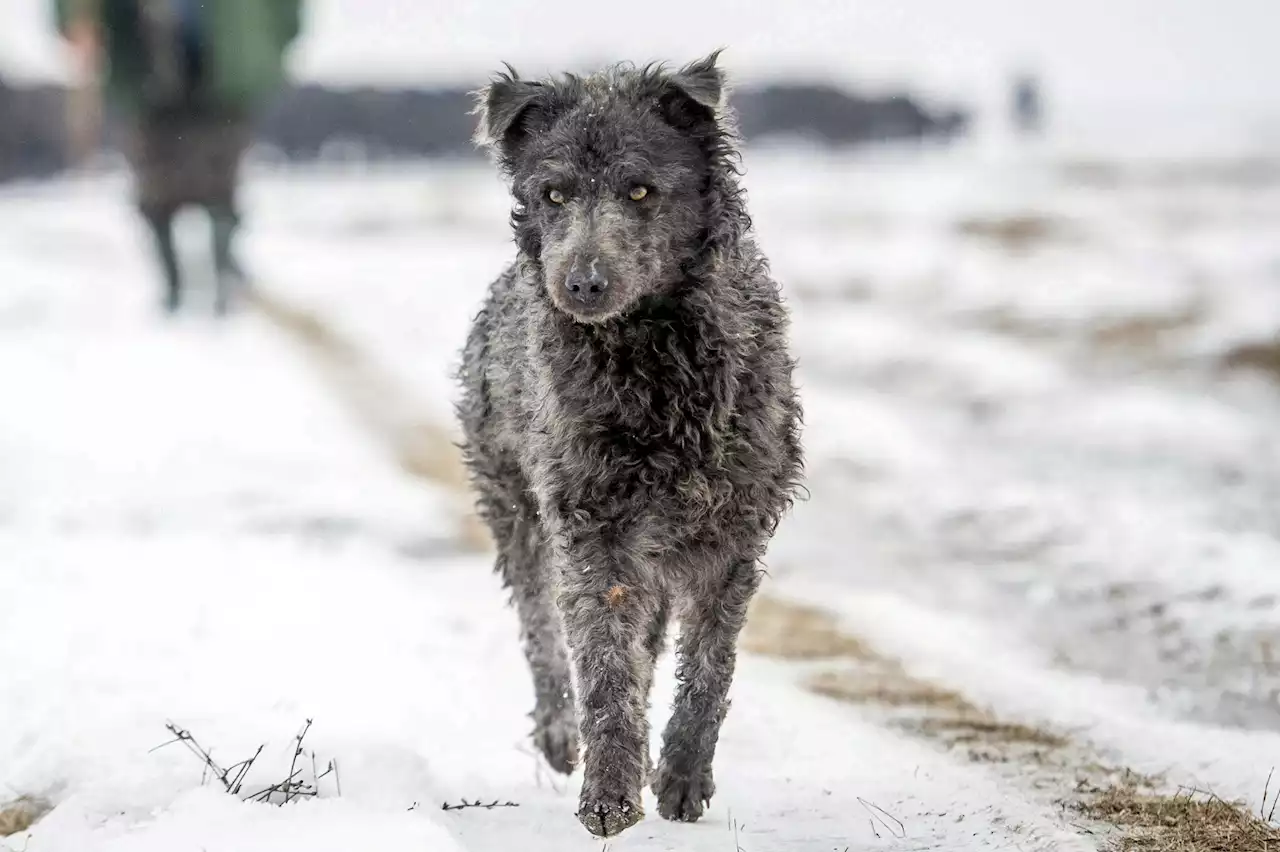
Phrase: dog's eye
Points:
(555, 196)
(638, 193)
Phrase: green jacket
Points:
(246, 42)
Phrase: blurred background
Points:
(388, 76)
(1032, 250)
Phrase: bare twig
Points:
(875, 811)
(166, 742)
(290, 788)
(297, 752)
(230, 784)
(233, 777)
(478, 804)
(243, 766)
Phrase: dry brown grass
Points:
(894, 690)
(1187, 821)
(1146, 333)
(22, 813)
(1018, 232)
(788, 631)
(967, 730)
(1144, 820)
(942, 716)
(1263, 357)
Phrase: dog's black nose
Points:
(586, 282)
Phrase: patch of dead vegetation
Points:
(941, 715)
(1148, 332)
(787, 631)
(1020, 232)
(1009, 324)
(1137, 335)
(1261, 356)
(893, 690)
(1185, 821)
(1143, 818)
(20, 814)
(974, 729)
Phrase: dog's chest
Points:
(635, 425)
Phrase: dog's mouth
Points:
(590, 307)
(593, 316)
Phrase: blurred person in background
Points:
(187, 76)
(1028, 109)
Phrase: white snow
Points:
(193, 528)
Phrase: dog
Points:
(630, 422)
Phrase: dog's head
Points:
(622, 179)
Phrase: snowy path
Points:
(194, 531)
(194, 526)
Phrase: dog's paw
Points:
(683, 796)
(558, 742)
(607, 817)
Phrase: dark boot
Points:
(230, 278)
(161, 224)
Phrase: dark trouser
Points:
(190, 156)
(223, 223)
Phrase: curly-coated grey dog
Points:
(630, 421)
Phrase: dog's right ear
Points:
(508, 107)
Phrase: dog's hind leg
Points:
(654, 644)
(523, 562)
(528, 573)
(707, 649)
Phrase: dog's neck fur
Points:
(666, 373)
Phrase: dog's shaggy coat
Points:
(630, 422)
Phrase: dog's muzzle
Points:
(587, 284)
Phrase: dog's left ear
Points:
(695, 94)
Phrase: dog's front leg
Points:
(608, 621)
(709, 632)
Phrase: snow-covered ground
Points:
(1035, 502)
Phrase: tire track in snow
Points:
(425, 449)
(420, 446)
(1055, 768)
(1061, 781)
